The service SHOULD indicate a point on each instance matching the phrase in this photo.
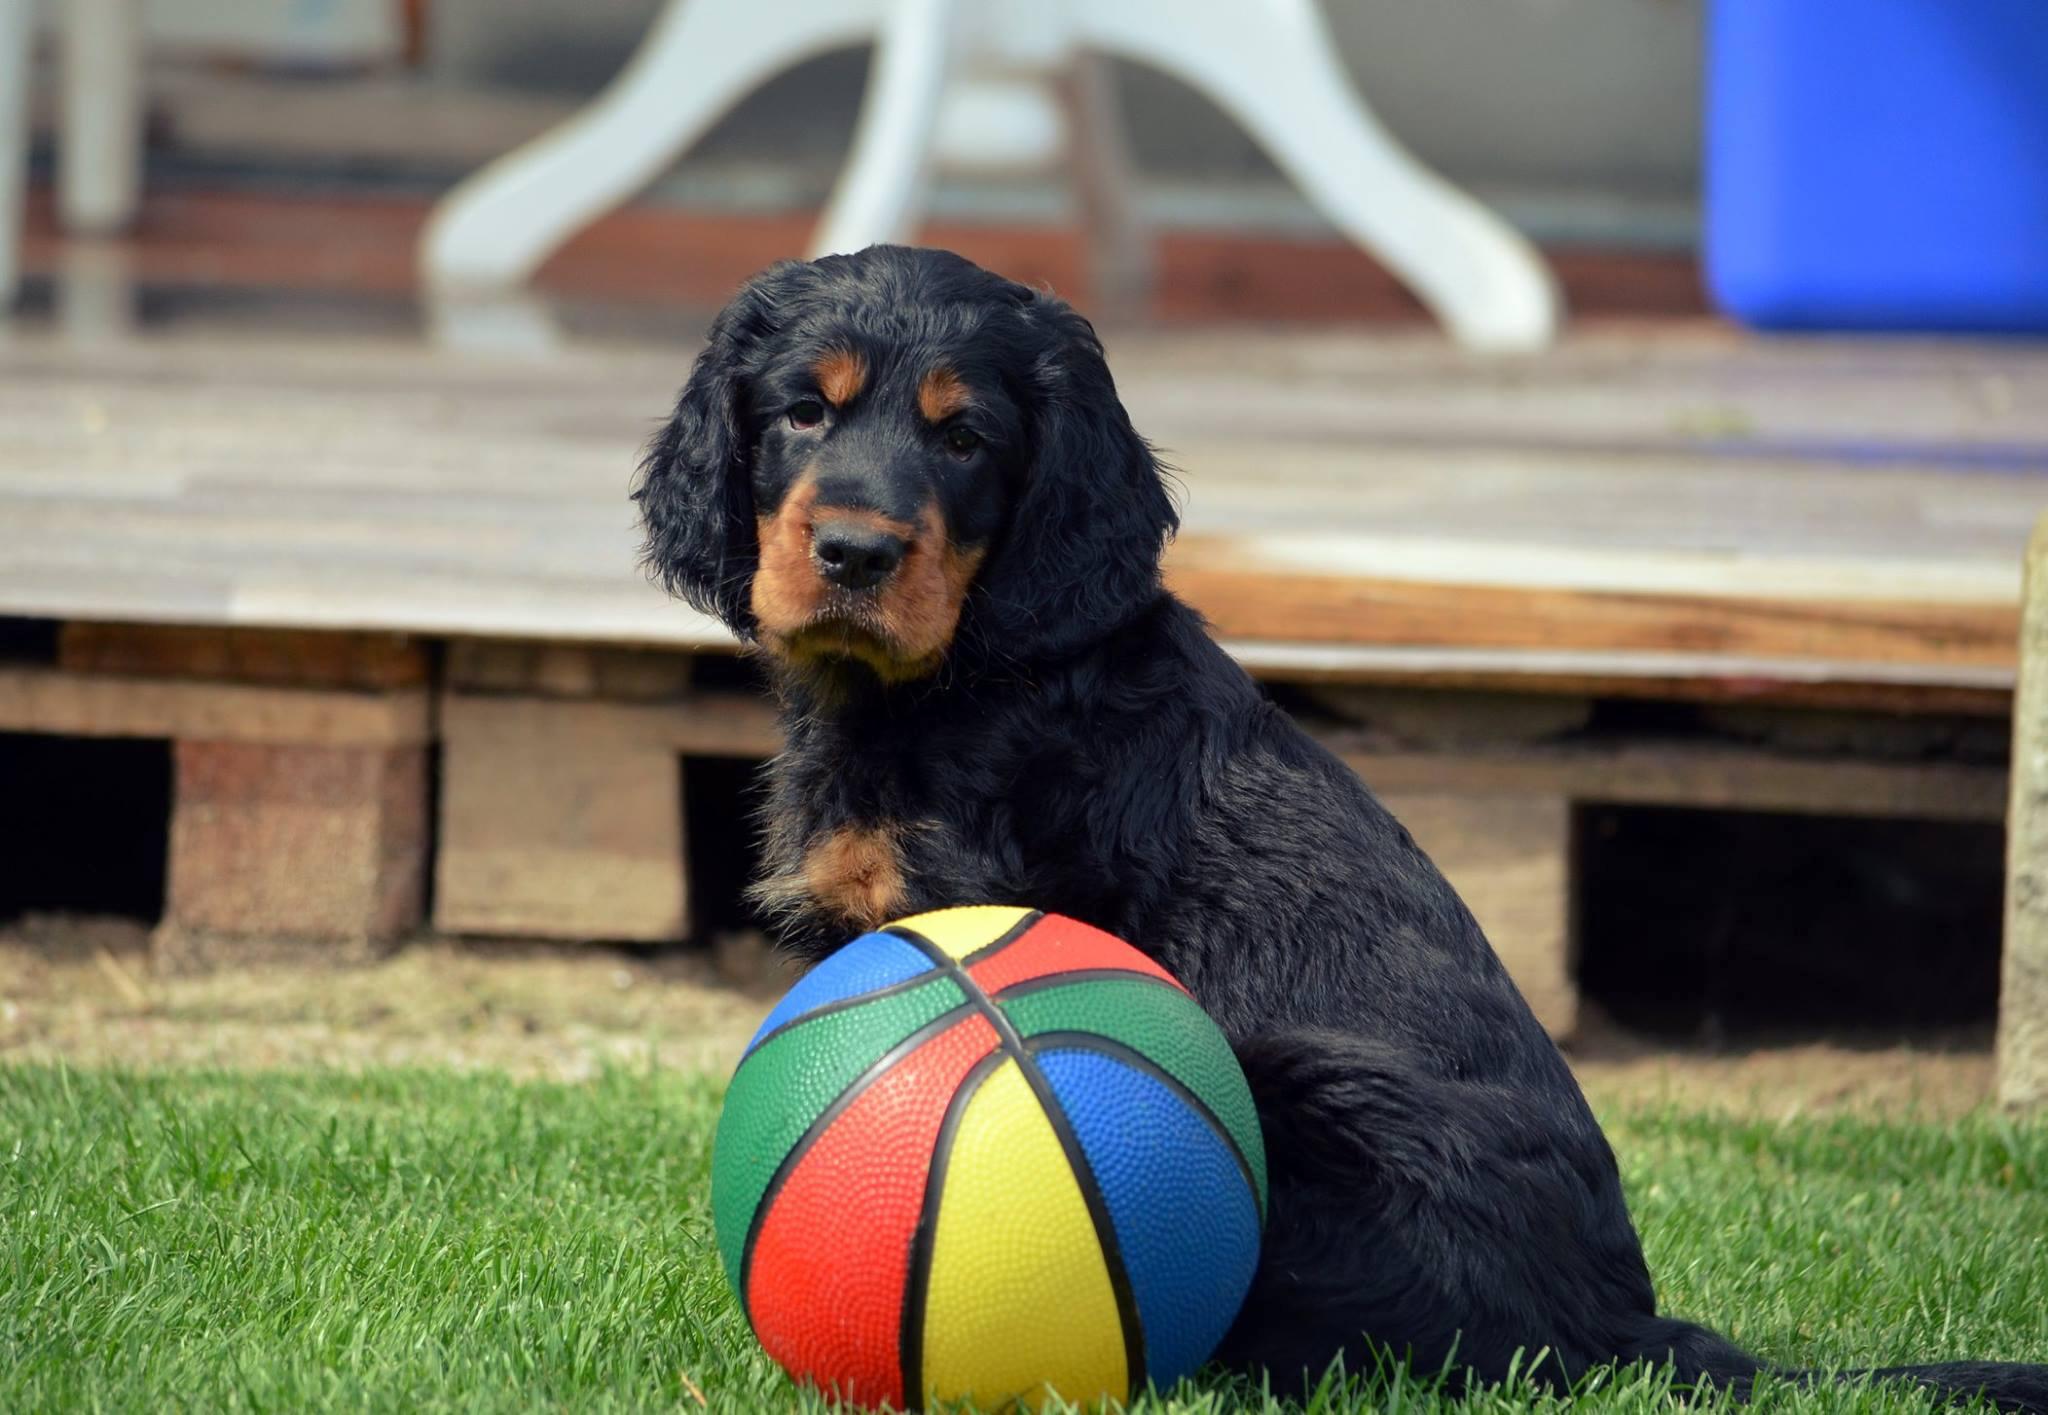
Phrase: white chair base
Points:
(1269, 63)
(16, 37)
(99, 152)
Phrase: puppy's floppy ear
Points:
(696, 499)
(1081, 553)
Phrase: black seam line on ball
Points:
(1105, 1225)
(1003, 940)
(846, 1097)
(1138, 1061)
(946, 960)
(1027, 986)
(1012, 1044)
(918, 1285)
(826, 1009)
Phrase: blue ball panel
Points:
(1185, 1217)
(869, 962)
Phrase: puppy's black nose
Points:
(854, 556)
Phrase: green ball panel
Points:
(1165, 1025)
(788, 1082)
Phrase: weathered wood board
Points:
(111, 705)
(2023, 987)
(559, 820)
(315, 842)
(1722, 517)
(300, 769)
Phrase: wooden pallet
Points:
(303, 795)
(562, 788)
(366, 559)
(300, 767)
(561, 808)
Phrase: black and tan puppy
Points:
(909, 482)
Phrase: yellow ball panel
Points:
(1018, 1285)
(958, 932)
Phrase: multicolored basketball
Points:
(985, 1153)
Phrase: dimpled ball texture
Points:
(988, 1154)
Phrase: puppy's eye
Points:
(806, 413)
(962, 441)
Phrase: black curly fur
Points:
(1440, 1188)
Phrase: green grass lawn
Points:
(406, 1241)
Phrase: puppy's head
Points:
(886, 460)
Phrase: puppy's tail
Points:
(2008, 1385)
(1705, 1358)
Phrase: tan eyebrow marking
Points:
(841, 375)
(941, 394)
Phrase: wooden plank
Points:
(2023, 986)
(1701, 775)
(559, 820)
(562, 817)
(1688, 388)
(1509, 857)
(1616, 519)
(287, 657)
(1673, 385)
(322, 842)
(1700, 677)
(1247, 599)
(566, 670)
(1417, 717)
(104, 705)
(705, 724)
(1705, 774)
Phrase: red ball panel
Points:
(825, 1282)
(1057, 944)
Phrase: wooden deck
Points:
(392, 625)
(1684, 512)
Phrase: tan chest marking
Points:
(855, 874)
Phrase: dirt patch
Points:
(1930, 1073)
(84, 990)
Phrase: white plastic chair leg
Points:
(881, 188)
(95, 291)
(1271, 65)
(1120, 257)
(15, 39)
(701, 57)
(99, 144)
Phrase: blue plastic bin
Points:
(1878, 164)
